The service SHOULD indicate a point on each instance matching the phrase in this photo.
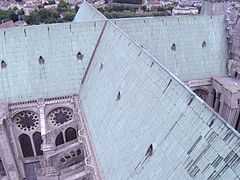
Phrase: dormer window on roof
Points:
(204, 44)
(41, 60)
(3, 64)
(80, 56)
(173, 47)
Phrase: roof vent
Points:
(204, 44)
(80, 56)
(118, 96)
(149, 151)
(173, 47)
(41, 60)
(3, 64)
(101, 67)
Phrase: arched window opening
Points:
(2, 169)
(59, 139)
(203, 94)
(26, 145)
(237, 123)
(80, 154)
(236, 75)
(214, 97)
(218, 102)
(37, 139)
(70, 134)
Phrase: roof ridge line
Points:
(93, 53)
(235, 132)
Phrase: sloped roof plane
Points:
(196, 38)
(131, 102)
(25, 79)
(87, 12)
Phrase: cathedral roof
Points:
(144, 122)
(45, 60)
(87, 12)
(134, 104)
(196, 39)
(200, 41)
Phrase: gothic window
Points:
(26, 120)
(80, 154)
(72, 157)
(26, 145)
(70, 134)
(203, 94)
(236, 75)
(37, 139)
(218, 97)
(237, 123)
(59, 140)
(2, 169)
(60, 115)
(214, 97)
(87, 177)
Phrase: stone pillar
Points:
(221, 105)
(47, 147)
(49, 169)
(211, 98)
(7, 155)
(43, 128)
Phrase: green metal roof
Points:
(25, 79)
(200, 43)
(131, 101)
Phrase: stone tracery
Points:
(60, 115)
(26, 120)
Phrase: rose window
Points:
(60, 115)
(26, 120)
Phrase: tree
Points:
(63, 6)
(68, 16)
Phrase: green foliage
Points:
(43, 16)
(68, 16)
(10, 14)
(62, 13)
(63, 6)
(51, 2)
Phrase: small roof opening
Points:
(3, 64)
(41, 60)
(204, 44)
(173, 47)
(80, 56)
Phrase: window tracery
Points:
(26, 120)
(60, 115)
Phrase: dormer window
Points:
(204, 44)
(3, 64)
(80, 56)
(41, 60)
(173, 47)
